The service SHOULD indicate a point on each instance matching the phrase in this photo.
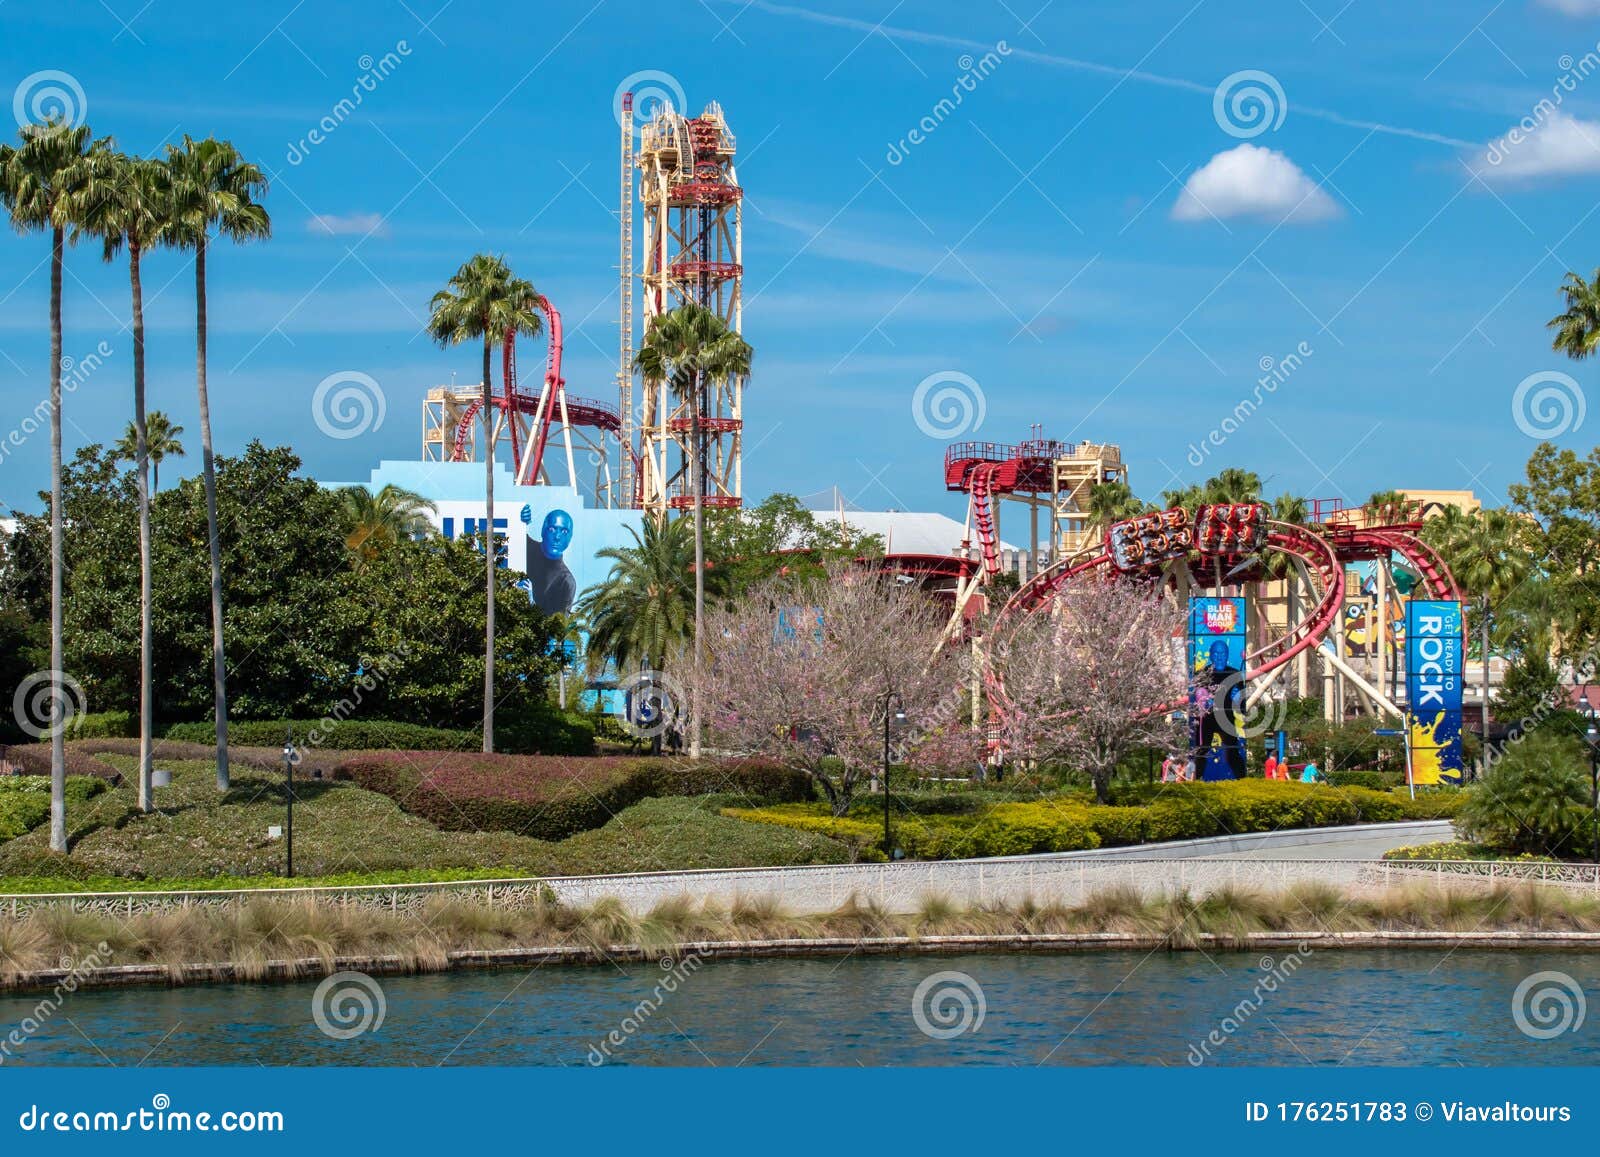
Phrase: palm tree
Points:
(1387, 507)
(1578, 326)
(160, 442)
(1233, 485)
(1488, 554)
(377, 521)
(132, 209)
(45, 184)
(688, 348)
(642, 612)
(1112, 502)
(213, 187)
(483, 300)
(1187, 498)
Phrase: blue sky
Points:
(1093, 236)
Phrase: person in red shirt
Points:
(1270, 768)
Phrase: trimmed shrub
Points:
(1534, 798)
(102, 725)
(757, 782)
(34, 759)
(656, 835)
(544, 731)
(25, 800)
(350, 735)
(1371, 780)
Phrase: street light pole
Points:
(899, 716)
(288, 772)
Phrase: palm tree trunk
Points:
(58, 738)
(1483, 636)
(698, 469)
(488, 551)
(219, 666)
(141, 465)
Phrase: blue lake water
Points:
(1328, 1008)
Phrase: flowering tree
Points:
(1087, 679)
(805, 672)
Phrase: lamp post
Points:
(899, 716)
(288, 774)
(1592, 735)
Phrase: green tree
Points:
(161, 441)
(1233, 485)
(1534, 799)
(213, 187)
(1387, 507)
(131, 208)
(377, 522)
(777, 536)
(484, 301)
(1530, 690)
(688, 348)
(643, 611)
(46, 184)
(1577, 326)
(1112, 502)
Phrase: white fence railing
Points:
(896, 887)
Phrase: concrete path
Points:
(1358, 842)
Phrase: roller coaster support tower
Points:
(693, 252)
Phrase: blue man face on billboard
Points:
(551, 585)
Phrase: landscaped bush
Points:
(1069, 823)
(1372, 780)
(543, 730)
(1459, 850)
(25, 800)
(657, 835)
(1534, 798)
(350, 735)
(756, 781)
(34, 759)
(102, 725)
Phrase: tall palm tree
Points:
(1578, 326)
(46, 182)
(688, 348)
(1487, 552)
(377, 521)
(161, 441)
(483, 300)
(1387, 507)
(213, 187)
(1187, 498)
(1112, 502)
(132, 210)
(1233, 485)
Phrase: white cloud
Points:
(334, 225)
(1542, 144)
(1251, 181)
(1573, 7)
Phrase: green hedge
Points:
(549, 733)
(25, 800)
(1068, 823)
(102, 725)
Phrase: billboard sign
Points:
(1435, 658)
(1216, 664)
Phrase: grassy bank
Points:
(266, 938)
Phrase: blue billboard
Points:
(1435, 657)
(1216, 657)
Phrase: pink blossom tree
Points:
(1087, 679)
(805, 672)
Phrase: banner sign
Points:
(1435, 656)
(1216, 685)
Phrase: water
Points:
(1329, 1008)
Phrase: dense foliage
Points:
(1535, 798)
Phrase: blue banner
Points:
(1435, 657)
(1216, 685)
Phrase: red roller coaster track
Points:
(541, 407)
